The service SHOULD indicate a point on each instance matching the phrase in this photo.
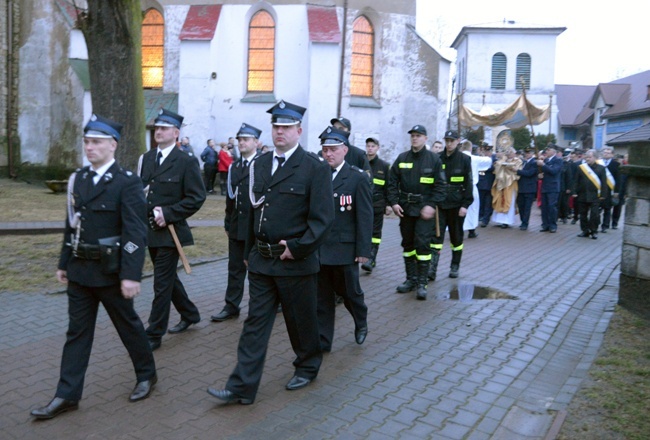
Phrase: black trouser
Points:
(607, 213)
(416, 236)
(168, 289)
(297, 294)
(210, 173)
(236, 275)
(377, 226)
(524, 204)
(589, 217)
(341, 280)
(616, 212)
(563, 210)
(485, 205)
(449, 218)
(83, 303)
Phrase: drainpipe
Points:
(342, 70)
(10, 88)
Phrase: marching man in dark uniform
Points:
(236, 220)
(457, 174)
(101, 262)
(380, 170)
(348, 242)
(291, 198)
(175, 191)
(414, 189)
(590, 190)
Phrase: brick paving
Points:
(443, 369)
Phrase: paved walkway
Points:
(442, 369)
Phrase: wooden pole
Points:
(530, 121)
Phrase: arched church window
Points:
(153, 53)
(499, 65)
(261, 53)
(363, 54)
(523, 70)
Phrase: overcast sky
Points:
(602, 42)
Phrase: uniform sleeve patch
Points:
(131, 247)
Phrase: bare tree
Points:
(113, 33)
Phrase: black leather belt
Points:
(87, 251)
(268, 250)
(410, 198)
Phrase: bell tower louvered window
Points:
(523, 70)
(363, 58)
(499, 65)
(261, 53)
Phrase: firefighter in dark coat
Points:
(236, 220)
(101, 262)
(590, 191)
(380, 170)
(414, 189)
(348, 242)
(457, 175)
(291, 199)
(175, 192)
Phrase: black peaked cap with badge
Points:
(100, 127)
(451, 134)
(286, 113)
(342, 120)
(421, 129)
(167, 118)
(247, 130)
(332, 136)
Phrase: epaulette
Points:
(356, 168)
(315, 156)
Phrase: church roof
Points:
(201, 22)
(641, 134)
(323, 24)
(505, 26)
(572, 102)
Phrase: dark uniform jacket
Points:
(176, 186)
(351, 232)
(457, 175)
(415, 181)
(614, 169)
(238, 208)
(552, 170)
(297, 208)
(584, 188)
(380, 170)
(113, 207)
(357, 157)
(528, 177)
(486, 179)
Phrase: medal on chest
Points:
(345, 202)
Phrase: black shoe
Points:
(543, 230)
(368, 266)
(339, 300)
(552, 231)
(154, 344)
(180, 327)
(143, 389)
(584, 235)
(360, 334)
(504, 226)
(614, 226)
(574, 221)
(406, 286)
(453, 273)
(564, 221)
(54, 408)
(593, 236)
(229, 397)
(523, 228)
(603, 230)
(472, 234)
(297, 382)
(223, 316)
(421, 292)
(483, 224)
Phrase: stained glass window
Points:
(363, 53)
(261, 53)
(153, 44)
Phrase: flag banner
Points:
(516, 115)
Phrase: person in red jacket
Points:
(225, 159)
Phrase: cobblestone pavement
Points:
(443, 368)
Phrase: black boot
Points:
(423, 269)
(433, 267)
(371, 263)
(455, 263)
(411, 276)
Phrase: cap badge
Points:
(160, 112)
(329, 130)
(282, 104)
(93, 117)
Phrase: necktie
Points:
(245, 163)
(158, 159)
(333, 173)
(92, 175)
(281, 160)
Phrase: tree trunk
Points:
(113, 33)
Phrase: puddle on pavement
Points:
(470, 292)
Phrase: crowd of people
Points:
(299, 226)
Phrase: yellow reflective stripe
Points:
(409, 254)
(458, 178)
(406, 165)
(424, 257)
(378, 182)
(457, 248)
(436, 246)
(426, 179)
(376, 240)
(444, 165)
